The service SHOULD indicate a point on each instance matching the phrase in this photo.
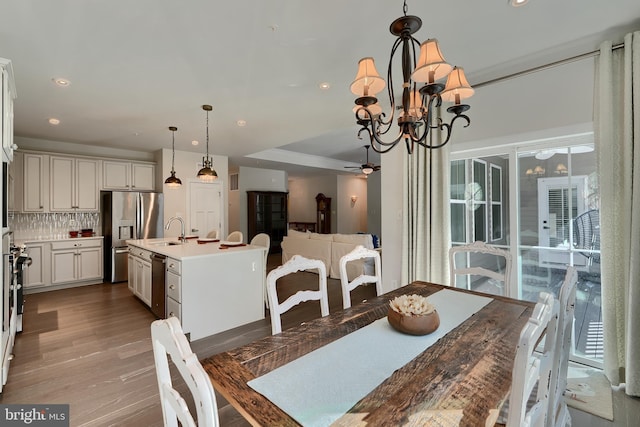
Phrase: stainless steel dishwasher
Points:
(158, 289)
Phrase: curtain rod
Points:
(544, 67)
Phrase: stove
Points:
(22, 262)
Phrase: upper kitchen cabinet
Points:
(73, 184)
(35, 198)
(6, 105)
(128, 176)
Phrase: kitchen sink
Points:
(166, 243)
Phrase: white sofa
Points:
(328, 248)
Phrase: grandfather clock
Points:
(323, 214)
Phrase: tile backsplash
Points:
(47, 226)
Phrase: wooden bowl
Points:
(414, 325)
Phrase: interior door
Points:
(558, 205)
(205, 208)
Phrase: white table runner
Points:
(321, 386)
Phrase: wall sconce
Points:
(561, 169)
(538, 170)
(354, 199)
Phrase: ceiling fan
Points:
(368, 167)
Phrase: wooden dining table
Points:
(464, 376)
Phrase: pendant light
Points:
(207, 173)
(173, 181)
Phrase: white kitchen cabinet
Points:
(8, 93)
(131, 273)
(143, 176)
(125, 176)
(37, 275)
(76, 260)
(140, 274)
(73, 184)
(35, 198)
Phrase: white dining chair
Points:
(168, 339)
(359, 253)
(235, 236)
(263, 239)
(213, 234)
(295, 264)
(467, 260)
(530, 383)
(558, 412)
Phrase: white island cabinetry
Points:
(174, 288)
(140, 273)
(210, 289)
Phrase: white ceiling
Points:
(137, 67)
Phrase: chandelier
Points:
(173, 181)
(207, 173)
(416, 112)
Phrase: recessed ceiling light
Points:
(325, 86)
(54, 121)
(517, 3)
(194, 142)
(59, 81)
(241, 123)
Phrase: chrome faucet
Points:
(183, 238)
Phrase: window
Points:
(233, 182)
(476, 200)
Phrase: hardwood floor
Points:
(90, 347)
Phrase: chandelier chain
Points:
(405, 9)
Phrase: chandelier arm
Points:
(390, 91)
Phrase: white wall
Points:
(552, 101)
(187, 165)
(254, 179)
(351, 216)
(302, 197)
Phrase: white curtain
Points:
(426, 225)
(617, 127)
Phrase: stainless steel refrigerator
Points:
(127, 215)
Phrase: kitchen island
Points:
(209, 288)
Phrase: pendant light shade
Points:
(207, 173)
(173, 181)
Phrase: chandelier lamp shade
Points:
(173, 181)
(422, 92)
(207, 173)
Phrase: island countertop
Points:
(208, 288)
(173, 248)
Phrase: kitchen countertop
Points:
(190, 249)
(19, 242)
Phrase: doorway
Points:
(206, 209)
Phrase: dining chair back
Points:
(295, 264)
(466, 261)
(169, 340)
(263, 239)
(235, 236)
(213, 234)
(558, 412)
(530, 383)
(359, 253)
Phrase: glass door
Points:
(540, 202)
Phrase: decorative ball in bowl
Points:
(413, 314)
